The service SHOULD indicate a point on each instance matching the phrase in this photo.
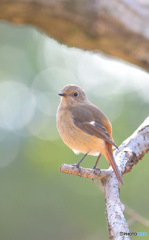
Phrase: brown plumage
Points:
(84, 127)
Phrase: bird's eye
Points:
(75, 94)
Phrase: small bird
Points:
(84, 127)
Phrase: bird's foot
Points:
(96, 168)
(77, 166)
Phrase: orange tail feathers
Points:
(111, 160)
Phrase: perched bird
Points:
(84, 127)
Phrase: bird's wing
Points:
(87, 123)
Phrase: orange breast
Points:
(75, 138)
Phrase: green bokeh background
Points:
(37, 201)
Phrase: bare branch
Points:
(93, 25)
(133, 148)
(84, 172)
(114, 209)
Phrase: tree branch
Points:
(93, 25)
(126, 156)
(84, 172)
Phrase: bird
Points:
(84, 128)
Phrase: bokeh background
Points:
(36, 200)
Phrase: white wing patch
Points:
(75, 151)
(92, 123)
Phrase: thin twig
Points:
(136, 216)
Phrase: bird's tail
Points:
(112, 162)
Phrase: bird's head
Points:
(72, 95)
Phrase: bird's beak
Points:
(62, 94)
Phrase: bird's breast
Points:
(74, 137)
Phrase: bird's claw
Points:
(98, 169)
(77, 166)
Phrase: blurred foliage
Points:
(38, 202)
